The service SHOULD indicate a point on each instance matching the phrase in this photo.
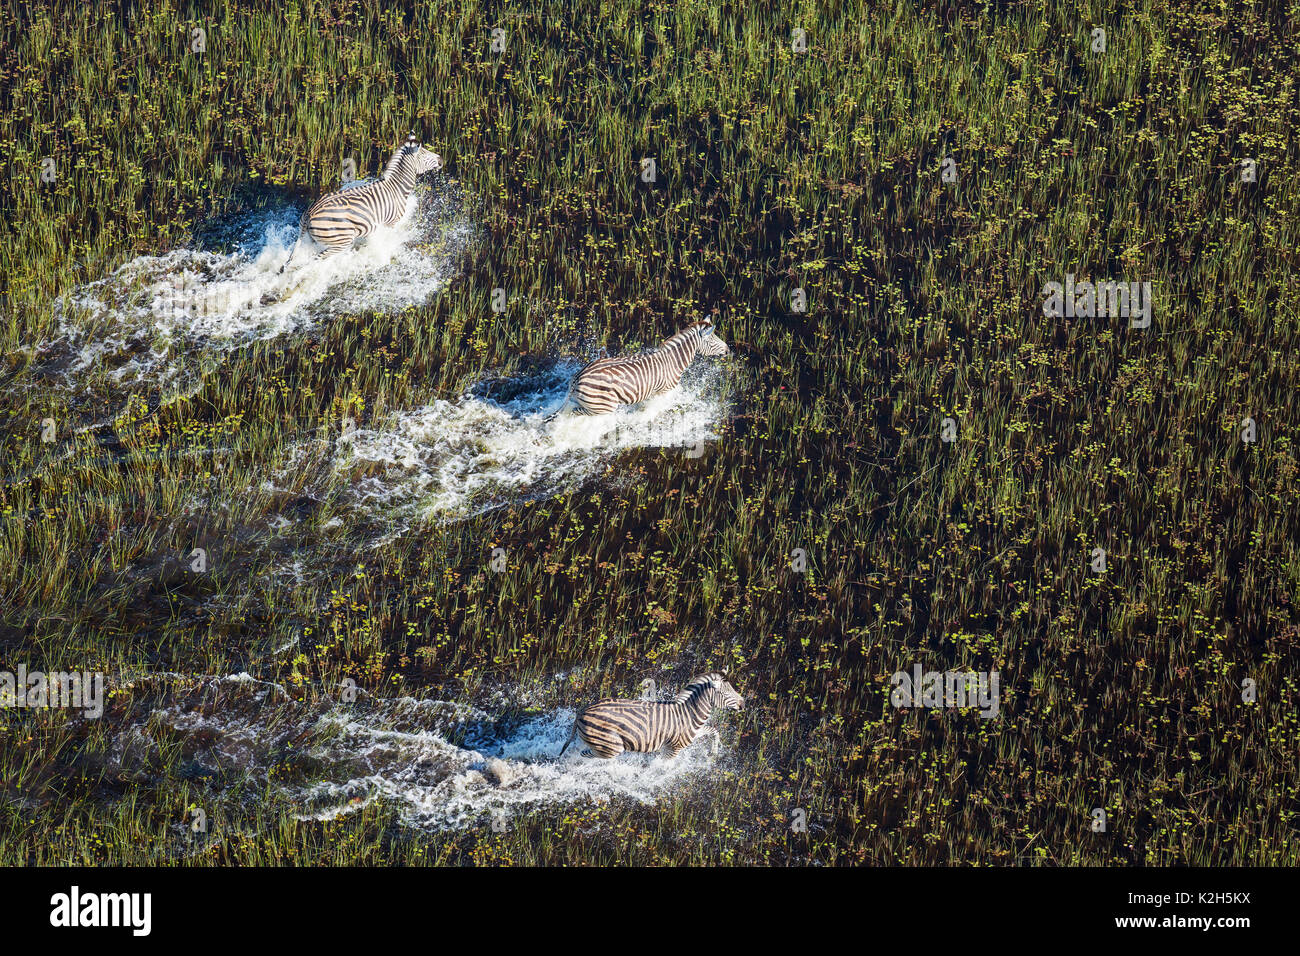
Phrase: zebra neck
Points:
(402, 180)
(697, 710)
(681, 350)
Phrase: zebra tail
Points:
(568, 400)
(573, 733)
(302, 224)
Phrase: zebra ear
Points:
(706, 329)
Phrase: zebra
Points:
(611, 726)
(607, 383)
(338, 219)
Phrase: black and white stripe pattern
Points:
(339, 219)
(610, 727)
(608, 383)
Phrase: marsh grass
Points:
(776, 171)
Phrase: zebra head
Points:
(413, 158)
(708, 341)
(724, 695)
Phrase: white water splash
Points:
(454, 459)
(493, 447)
(437, 784)
(441, 764)
(156, 317)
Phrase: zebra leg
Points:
(671, 749)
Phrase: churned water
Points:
(154, 319)
(164, 321)
(440, 764)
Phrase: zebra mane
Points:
(696, 687)
(401, 155)
(689, 332)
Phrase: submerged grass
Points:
(775, 171)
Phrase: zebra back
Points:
(607, 383)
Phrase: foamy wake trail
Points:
(156, 319)
(440, 764)
(453, 459)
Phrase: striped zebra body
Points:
(339, 219)
(610, 727)
(609, 383)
